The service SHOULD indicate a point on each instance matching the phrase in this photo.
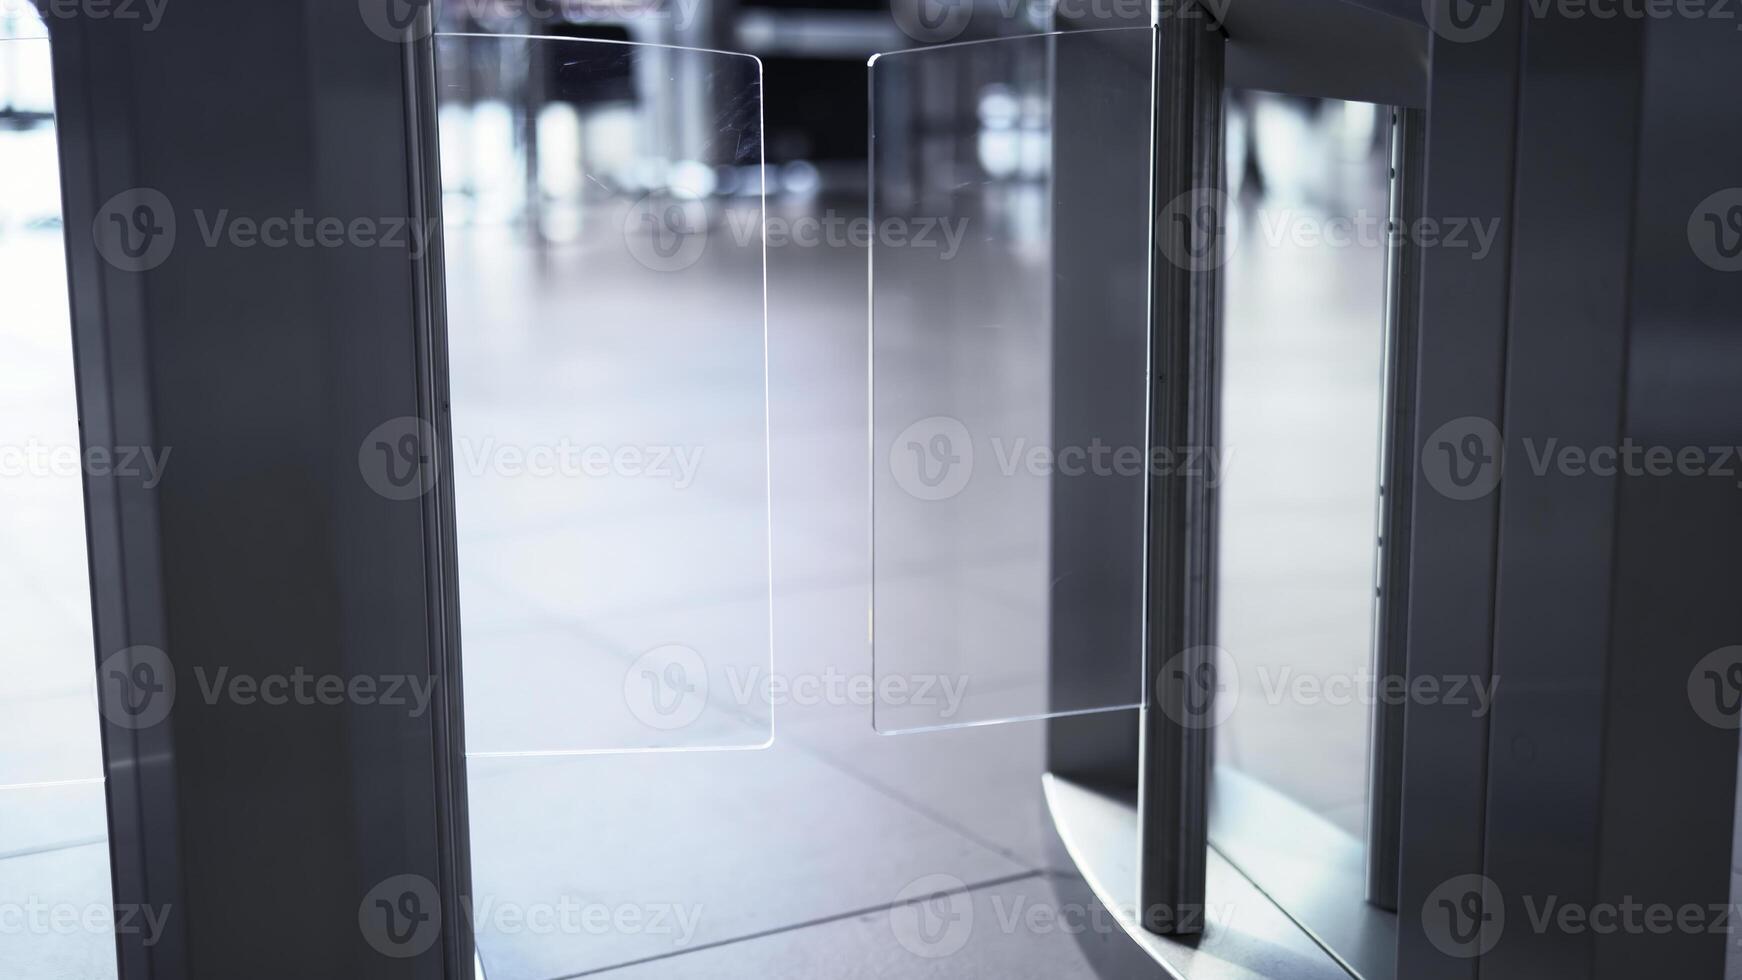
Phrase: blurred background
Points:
(609, 286)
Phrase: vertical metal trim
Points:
(1396, 487)
(124, 560)
(1566, 377)
(423, 151)
(1667, 788)
(1181, 536)
(1461, 365)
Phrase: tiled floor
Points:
(792, 856)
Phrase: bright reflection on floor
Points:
(53, 828)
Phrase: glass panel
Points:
(54, 859)
(603, 229)
(1302, 386)
(1009, 295)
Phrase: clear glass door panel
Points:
(1009, 446)
(607, 345)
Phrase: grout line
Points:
(825, 920)
(52, 848)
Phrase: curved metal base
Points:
(1246, 937)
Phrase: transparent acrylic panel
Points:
(1009, 291)
(606, 328)
(53, 818)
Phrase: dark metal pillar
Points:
(299, 839)
(1181, 668)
